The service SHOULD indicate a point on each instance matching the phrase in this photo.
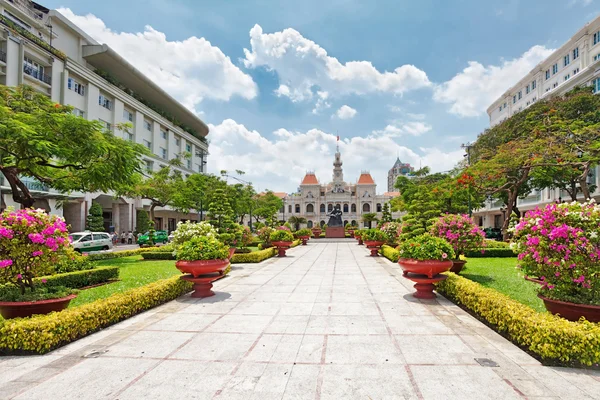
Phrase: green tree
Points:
(296, 221)
(422, 213)
(95, 221)
(197, 191)
(44, 141)
(143, 224)
(369, 218)
(386, 215)
(267, 206)
(220, 213)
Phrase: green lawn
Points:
(134, 272)
(502, 275)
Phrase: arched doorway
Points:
(345, 222)
(353, 208)
(310, 208)
(297, 208)
(309, 224)
(366, 207)
(354, 223)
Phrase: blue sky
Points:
(390, 77)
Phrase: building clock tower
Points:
(338, 173)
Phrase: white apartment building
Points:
(43, 49)
(575, 63)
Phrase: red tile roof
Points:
(310, 179)
(391, 194)
(366, 179)
(281, 195)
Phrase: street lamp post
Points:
(467, 146)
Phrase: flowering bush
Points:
(426, 247)
(264, 234)
(560, 244)
(188, 230)
(202, 248)
(374, 235)
(246, 236)
(460, 231)
(392, 232)
(231, 235)
(31, 242)
(281, 236)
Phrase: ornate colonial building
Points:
(314, 200)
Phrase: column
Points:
(116, 220)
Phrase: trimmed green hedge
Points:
(552, 338)
(254, 257)
(158, 255)
(79, 279)
(119, 254)
(499, 253)
(390, 253)
(43, 333)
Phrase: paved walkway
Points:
(328, 322)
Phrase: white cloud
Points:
(583, 3)
(322, 102)
(473, 90)
(304, 67)
(189, 70)
(346, 112)
(279, 163)
(395, 129)
(415, 116)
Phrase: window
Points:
(567, 77)
(105, 124)
(189, 164)
(596, 85)
(555, 84)
(547, 74)
(310, 208)
(309, 224)
(345, 208)
(163, 133)
(127, 115)
(297, 208)
(554, 68)
(575, 53)
(78, 112)
(596, 37)
(76, 86)
(533, 84)
(520, 95)
(366, 207)
(500, 108)
(504, 105)
(322, 208)
(566, 60)
(147, 125)
(148, 144)
(378, 207)
(104, 102)
(527, 89)
(200, 169)
(149, 165)
(353, 208)
(188, 147)
(329, 207)
(34, 69)
(177, 141)
(576, 71)
(527, 103)
(534, 99)
(163, 153)
(514, 99)
(130, 136)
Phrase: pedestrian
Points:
(123, 237)
(130, 237)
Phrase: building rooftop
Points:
(365, 179)
(392, 194)
(310, 179)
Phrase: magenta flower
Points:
(19, 276)
(37, 253)
(444, 256)
(5, 263)
(44, 280)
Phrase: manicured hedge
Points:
(79, 279)
(158, 255)
(390, 253)
(552, 338)
(119, 254)
(498, 253)
(254, 257)
(43, 333)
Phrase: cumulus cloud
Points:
(395, 129)
(346, 112)
(304, 67)
(276, 163)
(473, 90)
(190, 70)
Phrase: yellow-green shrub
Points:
(254, 257)
(42, 333)
(550, 337)
(79, 279)
(390, 253)
(119, 254)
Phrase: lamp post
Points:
(467, 146)
(247, 183)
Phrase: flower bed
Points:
(552, 339)
(485, 253)
(43, 333)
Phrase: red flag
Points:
(338, 138)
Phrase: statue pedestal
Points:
(337, 232)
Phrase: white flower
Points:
(594, 235)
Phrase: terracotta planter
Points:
(425, 267)
(23, 309)
(231, 252)
(457, 266)
(423, 285)
(351, 232)
(534, 280)
(374, 246)
(317, 233)
(571, 311)
(202, 267)
(304, 239)
(282, 247)
(359, 239)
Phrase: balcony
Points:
(30, 183)
(40, 76)
(3, 56)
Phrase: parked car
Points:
(91, 241)
(159, 237)
(493, 233)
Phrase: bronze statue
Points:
(335, 218)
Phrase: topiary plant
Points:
(95, 221)
(281, 236)
(303, 232)
(202, 248)
(426, 247)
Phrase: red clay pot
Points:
(534, 280)
(457, 266)
(282, 247)
(202, 267)
(304, 239)
(425, 267)
(351, 233)
(317, 233)
(23, 309)
(231, 252)
(572, 311)
(424, 285)
(374, 246)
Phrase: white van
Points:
(84, 242)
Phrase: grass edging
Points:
(79, 279)
(43, 333)
(119, 254)
(551, 338)
(491, 253)
(254, 257)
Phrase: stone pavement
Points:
(327, 322)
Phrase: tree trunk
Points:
(152, 221)
(511, 204)
(583, 182)
(20, 192)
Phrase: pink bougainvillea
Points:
(460, 231)
(561, 243)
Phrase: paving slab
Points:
(327, 322)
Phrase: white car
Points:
(84, 242)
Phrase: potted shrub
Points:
(358, 236)
(560, 245)
(31, 244)
(245, 240)
(422, 259)
(462, 233)
(264, 234)
(231, 236)
(281, 239)
(304, 235)
(317, 231)
(187, 230)
(373, 239)
(350, 229)
(202, 257)
(392, 232)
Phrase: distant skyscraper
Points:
(398, 169)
